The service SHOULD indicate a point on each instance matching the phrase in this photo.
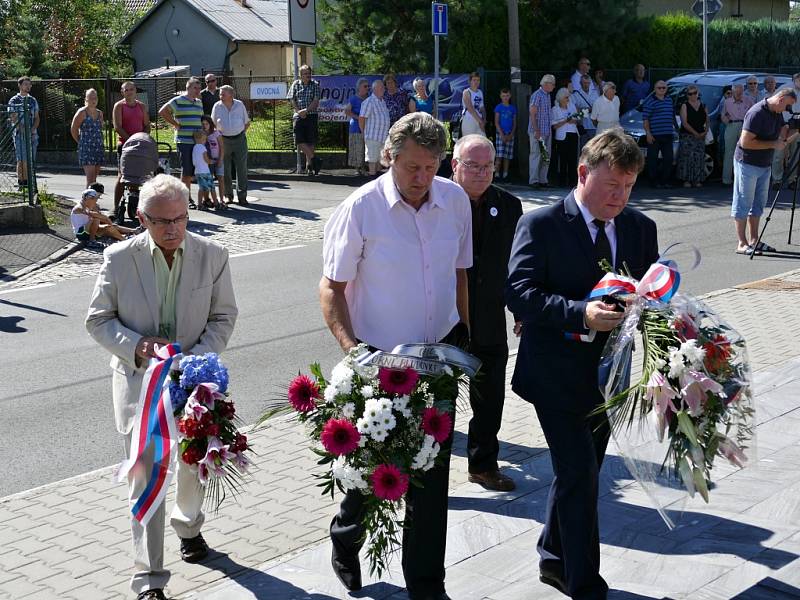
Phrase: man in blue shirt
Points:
(635, 90)
(659, 125)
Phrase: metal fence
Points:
(15, 128)
(59, 99)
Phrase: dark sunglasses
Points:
(691, 93)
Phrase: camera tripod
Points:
(792, 168)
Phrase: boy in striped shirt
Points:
(184, 113)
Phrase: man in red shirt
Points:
(129, 117)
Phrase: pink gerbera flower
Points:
(437, 424)
(303, 392)
(340, 436)
(389, 482)
(398, 381)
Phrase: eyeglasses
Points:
(475, 168)
(661, 87)
(211, 80)
(166, 222)
(752, 83)
(691, 93)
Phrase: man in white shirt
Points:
(395, 257)
(583, 98)
(374, 120)
(605, 110)
(583, 69)
(232, 121)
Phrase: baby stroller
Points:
(139, 161)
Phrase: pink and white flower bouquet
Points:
(691, 401)
(376, 430)
(209, 439)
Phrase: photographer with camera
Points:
(781, 157)
(763, 132)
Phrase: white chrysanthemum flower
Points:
(676, 364)
(330, 394)
(692, 353)
(342, 378)
(388, 422)
(349, 410)
(385, 404)
(429, 400)
(371, 408)
(367, 391)
(379, 435)
(364, 426)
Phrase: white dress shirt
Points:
(399, 263)
(606, 113)
(230, 122)
(611, 230)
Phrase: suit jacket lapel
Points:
(147, 275)
(575, 220)
(489, 222)
(187, 283)
(623, 252)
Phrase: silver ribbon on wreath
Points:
(426, 359)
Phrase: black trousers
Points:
(569, 545)
(567, 154)
(486, 396)
(662, 144)
(424, 541)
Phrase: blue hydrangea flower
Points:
(205, 368)
(177, 395)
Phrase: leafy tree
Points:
(65, 38)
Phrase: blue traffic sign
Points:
(439, 18)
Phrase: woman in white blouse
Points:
(605, 110)
(565, 134)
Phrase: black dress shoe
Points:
(348, 571)
(493, 480)
(555, 581)
(243, 202)
(154, 594)
(194, 549)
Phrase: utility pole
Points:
(705, 35)
(520, 92)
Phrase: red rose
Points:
(192, 455)
(212, 429)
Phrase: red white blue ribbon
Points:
(154, 425)
(660, 283)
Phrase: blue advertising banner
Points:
(337, 90)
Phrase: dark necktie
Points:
(602, 247)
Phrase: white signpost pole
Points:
(705, 35)
(299, 164)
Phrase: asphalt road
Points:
(57, 418)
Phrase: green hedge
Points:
(672, 40)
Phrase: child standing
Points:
(216, 151)
(505, 121)
(202, 173)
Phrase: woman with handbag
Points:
(692, 149)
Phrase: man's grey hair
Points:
(736, 86)
(192, 80)
(752, 78)
(162, 187)
(548, 79)
(472, 139)
(228, 88)
(210, 76)
(769, 78)
(586, 77)
(376, 83)
(361, 80)
(422, 129)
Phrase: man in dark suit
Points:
(495, 213)
(553, 267)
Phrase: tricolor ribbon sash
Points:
(154, 424)
(660, 283)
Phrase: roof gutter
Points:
(227, 64)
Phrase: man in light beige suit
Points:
(162, 286)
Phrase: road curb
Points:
(60, 254)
